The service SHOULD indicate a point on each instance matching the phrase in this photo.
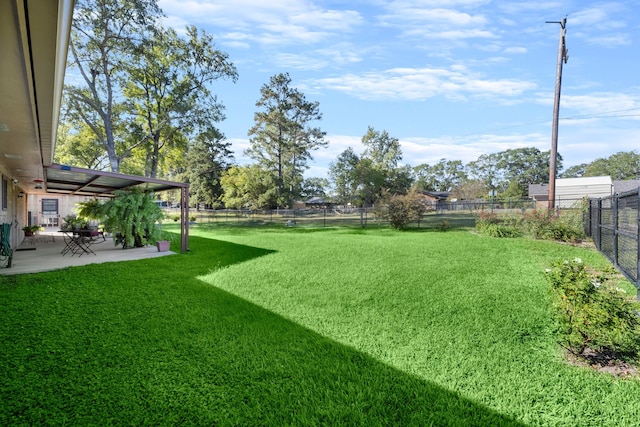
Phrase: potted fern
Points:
(133, 217)
(30, 230)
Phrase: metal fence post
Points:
(616, 236)
(599, 245)
(638, 242)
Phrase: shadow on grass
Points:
(149, 344)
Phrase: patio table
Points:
(78, 241)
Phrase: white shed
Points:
(569, 191)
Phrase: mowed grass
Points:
(302, 327)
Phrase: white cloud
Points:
(596, 104)
(609, 40)
(517, 7)
(603, 17)
(430, 150)
(280, 22)
(602, 25)
(416, 19)
(300, 62)
(516, 49)
(422, 83)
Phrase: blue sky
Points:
(450, 79)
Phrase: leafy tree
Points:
(168, 93)
(400, 180)
(515, 190)
(619, 166)
(77, 145)
(249, 187)
(576, 171)
(315, 187)
(282, 137)
(383, 150)
(207, 159)
(342, 172)
(524, 166)
(443, 176)
(364, 179)
(485, 170)
(371, 182)
(143, 91)
(104, 36)
(469, 189)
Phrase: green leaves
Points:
(591, 313)
(133, 217)
(363, 180)
(401, 210)
(144, 90)
(282, 136)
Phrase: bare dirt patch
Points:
(604, 362)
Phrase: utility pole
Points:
(562, 57)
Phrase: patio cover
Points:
(76, 181)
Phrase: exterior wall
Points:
(569, 190)
(66, 207)
(15, 212)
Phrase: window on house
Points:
(49, 206)
(49, 211)
(5, 197)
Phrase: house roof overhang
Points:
(34, 38)
(34, 41)
(76, 181)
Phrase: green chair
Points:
(6, 253)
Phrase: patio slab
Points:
(43, 253)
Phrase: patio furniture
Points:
(79, 241)
(6, 253)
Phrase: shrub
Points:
(491, 224)
(485, 220)
(536, 221)
(404, 209)
(561, 230)
(501, 230)
(591, 313)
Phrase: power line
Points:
(602, 114)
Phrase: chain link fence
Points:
(440, 215)
(612, 223)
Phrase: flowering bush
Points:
(536, 221)
(401, 210)
(591, 313)
(565, 227)
(491, 224)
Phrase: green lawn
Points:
(293, 326)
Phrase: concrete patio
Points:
(43, 253)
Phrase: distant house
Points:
(316, 202)
(539, 193)
(626, 185)
(569, 191)
(435, 199)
